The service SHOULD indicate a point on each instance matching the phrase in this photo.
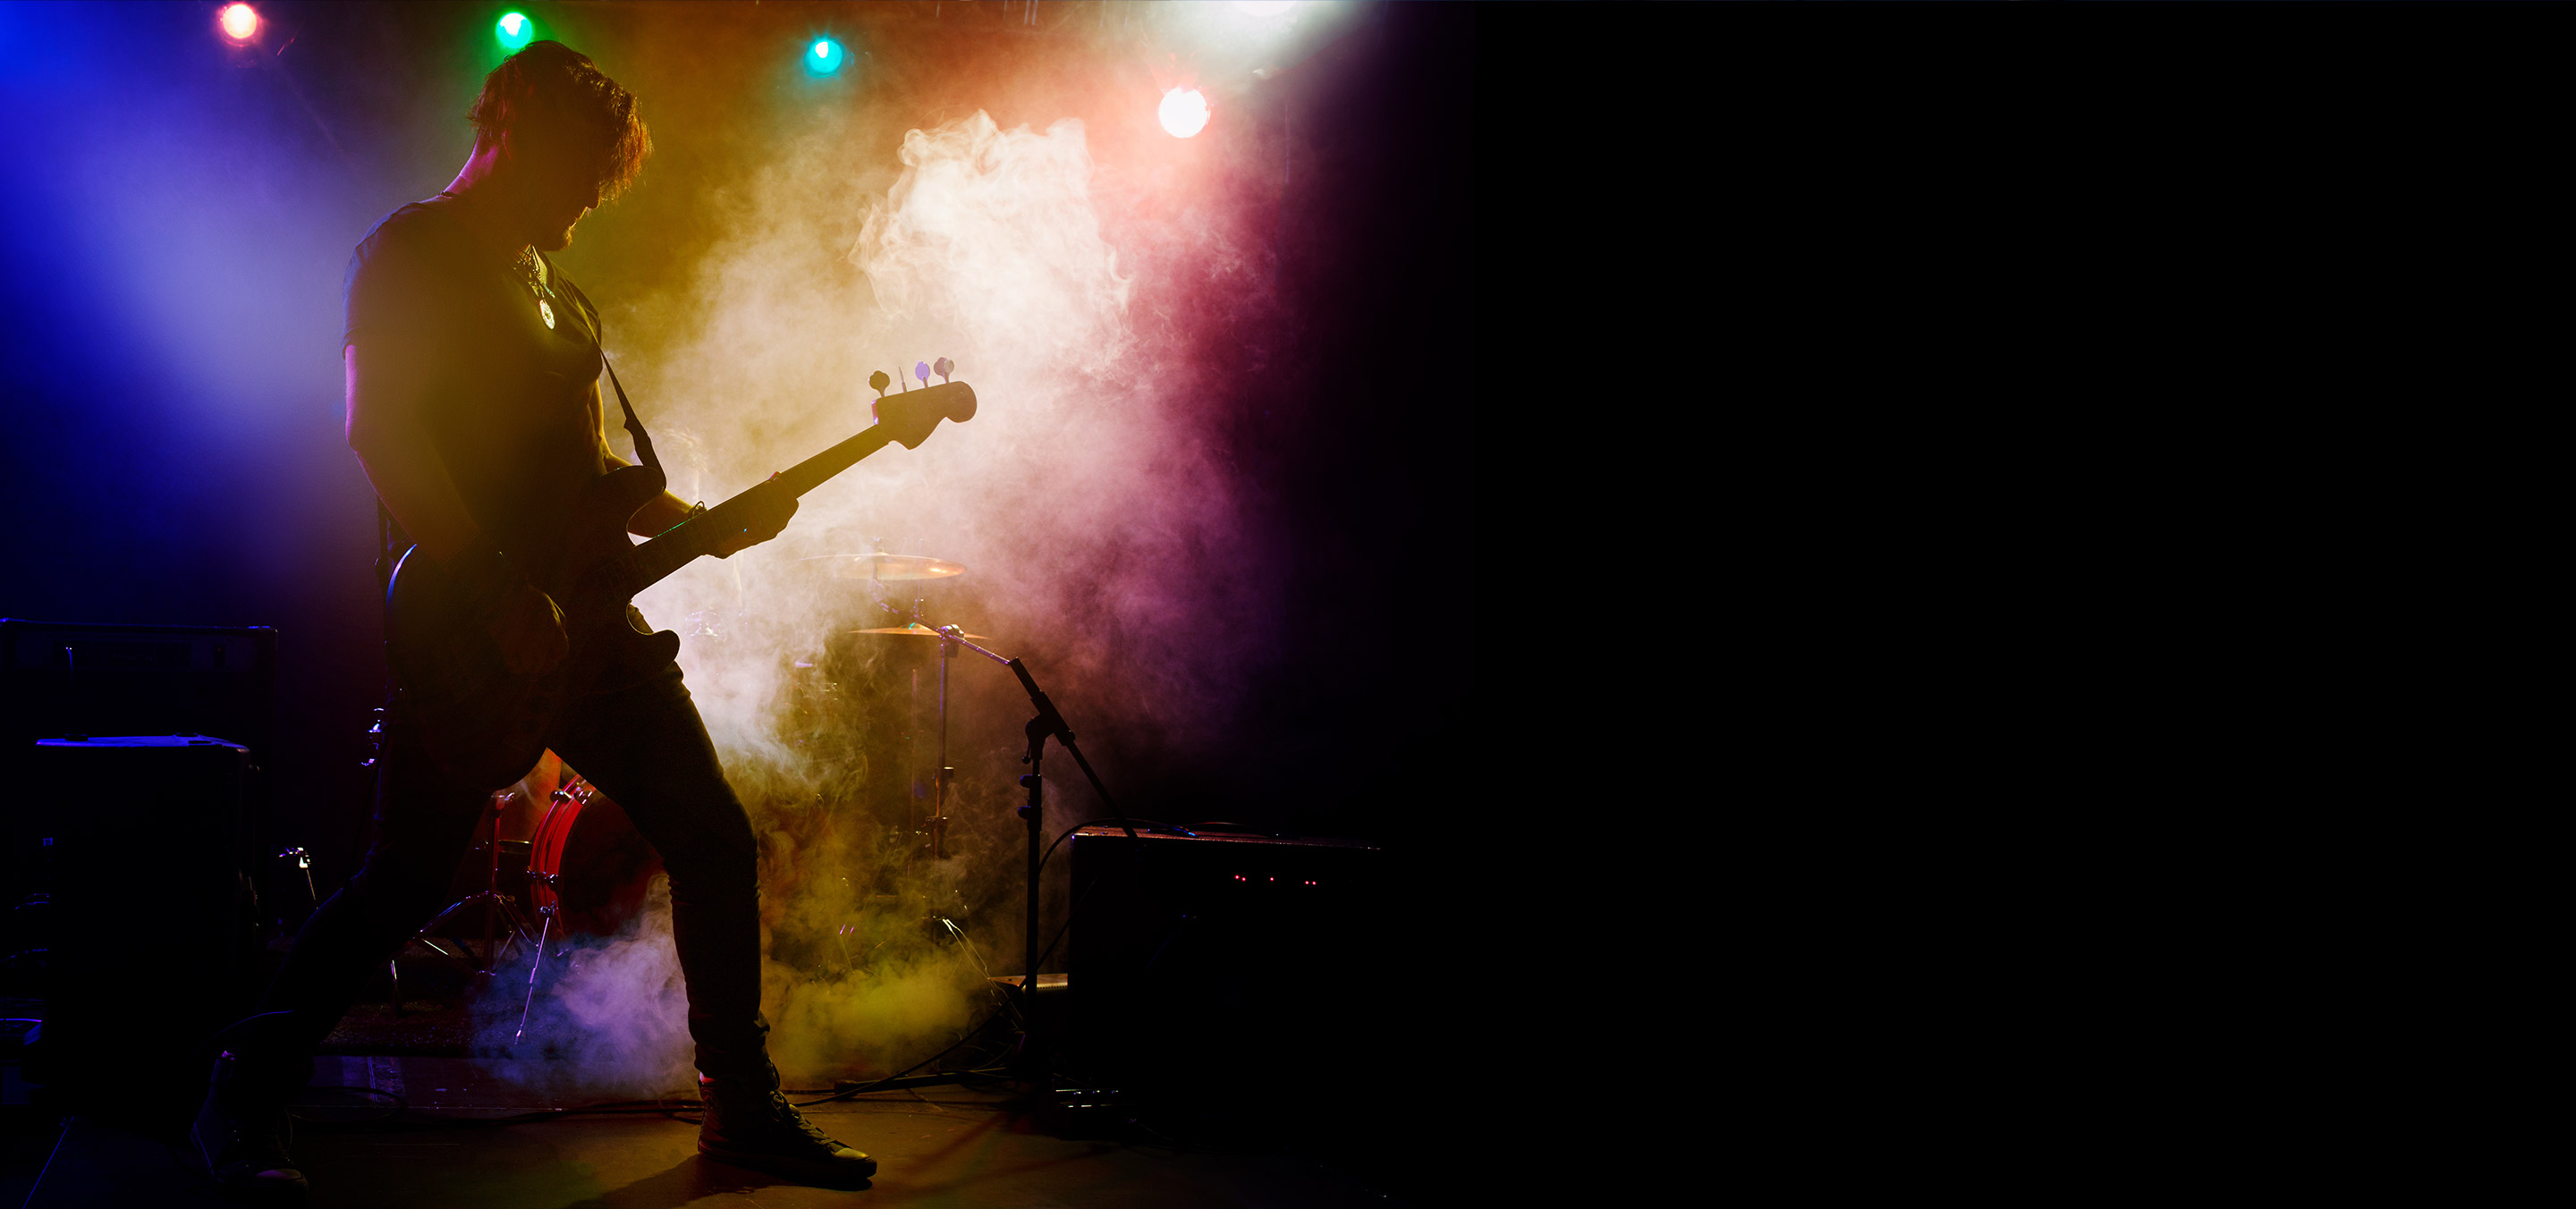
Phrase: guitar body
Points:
(485, 726)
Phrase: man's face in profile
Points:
(560, 172)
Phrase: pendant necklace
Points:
(534, 279)
(530, 275)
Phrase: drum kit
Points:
(881, 568)
(585, 865)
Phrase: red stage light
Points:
(240, 22)
(1184, 112)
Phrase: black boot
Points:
(241, 1133)
(749, 1123)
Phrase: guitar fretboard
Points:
(652, 561)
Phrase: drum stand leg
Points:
(544, 930)
(503, 907)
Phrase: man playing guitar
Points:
(472, 370)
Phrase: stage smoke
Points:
(1098, 524)
(610, 1019)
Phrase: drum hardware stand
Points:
(544, 930)
(302, 864)
(504, 909)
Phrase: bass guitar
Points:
(486, 726)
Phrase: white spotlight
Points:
(1184, 112)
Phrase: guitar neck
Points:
(649, 563)
(809, 474)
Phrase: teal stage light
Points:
(823, 56)
(514, 30)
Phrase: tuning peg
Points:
(879, 381)
(921, 370)
(941, 367)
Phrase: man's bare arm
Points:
(384, 382)
(661, 513)
(657, 514)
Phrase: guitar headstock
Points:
(910, 415)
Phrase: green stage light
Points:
(824, 56)
(514, 30)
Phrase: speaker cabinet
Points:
(148, 921)
(1209, 973)
(73, 678)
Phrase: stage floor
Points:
(935, 1146)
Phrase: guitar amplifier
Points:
(1206, 971)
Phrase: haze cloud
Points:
(1100, 529)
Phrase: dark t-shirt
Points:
(508, 404)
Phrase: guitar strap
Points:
(392, 539)
(634, 427)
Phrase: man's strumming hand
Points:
(529, 630)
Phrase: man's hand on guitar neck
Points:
(748, 519)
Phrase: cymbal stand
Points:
(939, 782)
(943, 774)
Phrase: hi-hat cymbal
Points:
(918, 630)
(889, 566)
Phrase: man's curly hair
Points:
(553, 86)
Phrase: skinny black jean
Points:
(644, 746)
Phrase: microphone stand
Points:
(1047, 724)
(1031, 1064)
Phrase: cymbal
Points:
(889, 566)
(918, 630)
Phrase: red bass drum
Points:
(587, 865)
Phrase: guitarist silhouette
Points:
(472, 368)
